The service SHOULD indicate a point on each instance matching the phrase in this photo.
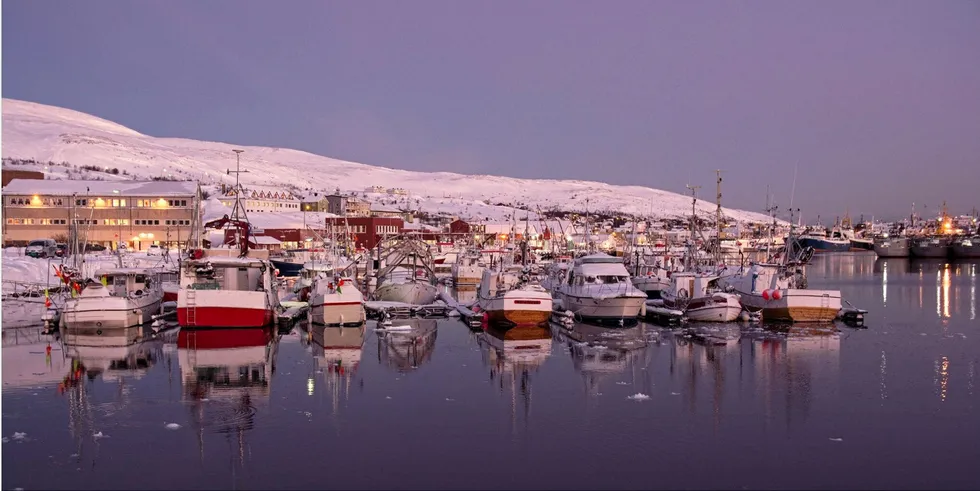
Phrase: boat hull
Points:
(719, 307)
(604, 309)
(415, 293)
(92, 315)
(939, 251)
(287, 268)
(467, 275)
(518, 309)
(652, 286)
(796, 305)
(964, 251)
(224, 309)
(892, 248)
(824, 245)
(862, 245)
(338, 313)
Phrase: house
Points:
(261, 201)
(366, 232)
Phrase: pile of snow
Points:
(47, 133)
(18, 267)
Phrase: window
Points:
(81, 202)
(156, 222)
(183, 202)
(115, 203)
(122, 202)
(167, 222)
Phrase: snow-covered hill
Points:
(48, 133)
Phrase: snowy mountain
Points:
(47, 133)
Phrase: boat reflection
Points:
(512, 356)
(600, 353)
(466, 295)
(336, 354)
(226, 375)
(30, 358)
(407, 343)
(114, 354)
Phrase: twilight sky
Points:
(876, 102)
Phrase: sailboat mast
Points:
(718, 220)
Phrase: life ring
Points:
(683, 293)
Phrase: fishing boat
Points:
(700, 298)
(124, 297)
(510, 299)
(891, 246)
(934, 247)
(835, 240)
(966, 247)
(468, 269)
(405, 273)
(336, 301)
(226, 292)
(598, 288)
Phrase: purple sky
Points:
(878, 103)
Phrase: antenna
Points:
(238, 186)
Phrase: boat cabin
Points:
(121, 282)
(598, 269)
(226, 273)
(691, 285)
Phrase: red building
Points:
(367, 231)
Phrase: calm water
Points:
(891, 406)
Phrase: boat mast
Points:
(235, 216)
(718, 220)
(692, 248)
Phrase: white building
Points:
(263, 201)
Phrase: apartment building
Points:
(136, 213)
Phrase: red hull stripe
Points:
(224, 317)
(223, 338)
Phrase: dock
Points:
(377, 309)
(293, 311)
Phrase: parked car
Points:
(62, 250)
(41, 248)
(94, 247)
(154, 250)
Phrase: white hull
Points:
(97, 312)
(609, 308)
(518, 307)
(467, 275)
(651, 285)
(412, 292)
(722, 312)
(796, 305)
(335, 309)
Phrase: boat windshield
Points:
(607, 279)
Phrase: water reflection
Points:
(407, 344)
(465, 295)
(31, 358)
(336, 355)
(512, 356)
(703, 354)
(226, 375)
(114, 354)
(599, 353)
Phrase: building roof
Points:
(264, 240)
(101, 188)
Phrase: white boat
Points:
(125, 297)
(598, 288)
(779, 293)
(510, 300)
(336, 301)
(228, 292)
(698, 297)
(406, 274)
(468, 269)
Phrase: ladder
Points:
(191, 307)
(192, 348)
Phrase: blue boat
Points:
(825, 241)
(286, 268)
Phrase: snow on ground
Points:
(48, 133)
(18, 267)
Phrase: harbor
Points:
(226, 401)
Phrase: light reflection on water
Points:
(558, 407)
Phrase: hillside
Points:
(47, 133)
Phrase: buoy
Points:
(765, 294)
(776, 295)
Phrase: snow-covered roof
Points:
(101, 188)
(264, 240)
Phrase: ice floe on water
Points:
(172, 426)
(638, 397)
